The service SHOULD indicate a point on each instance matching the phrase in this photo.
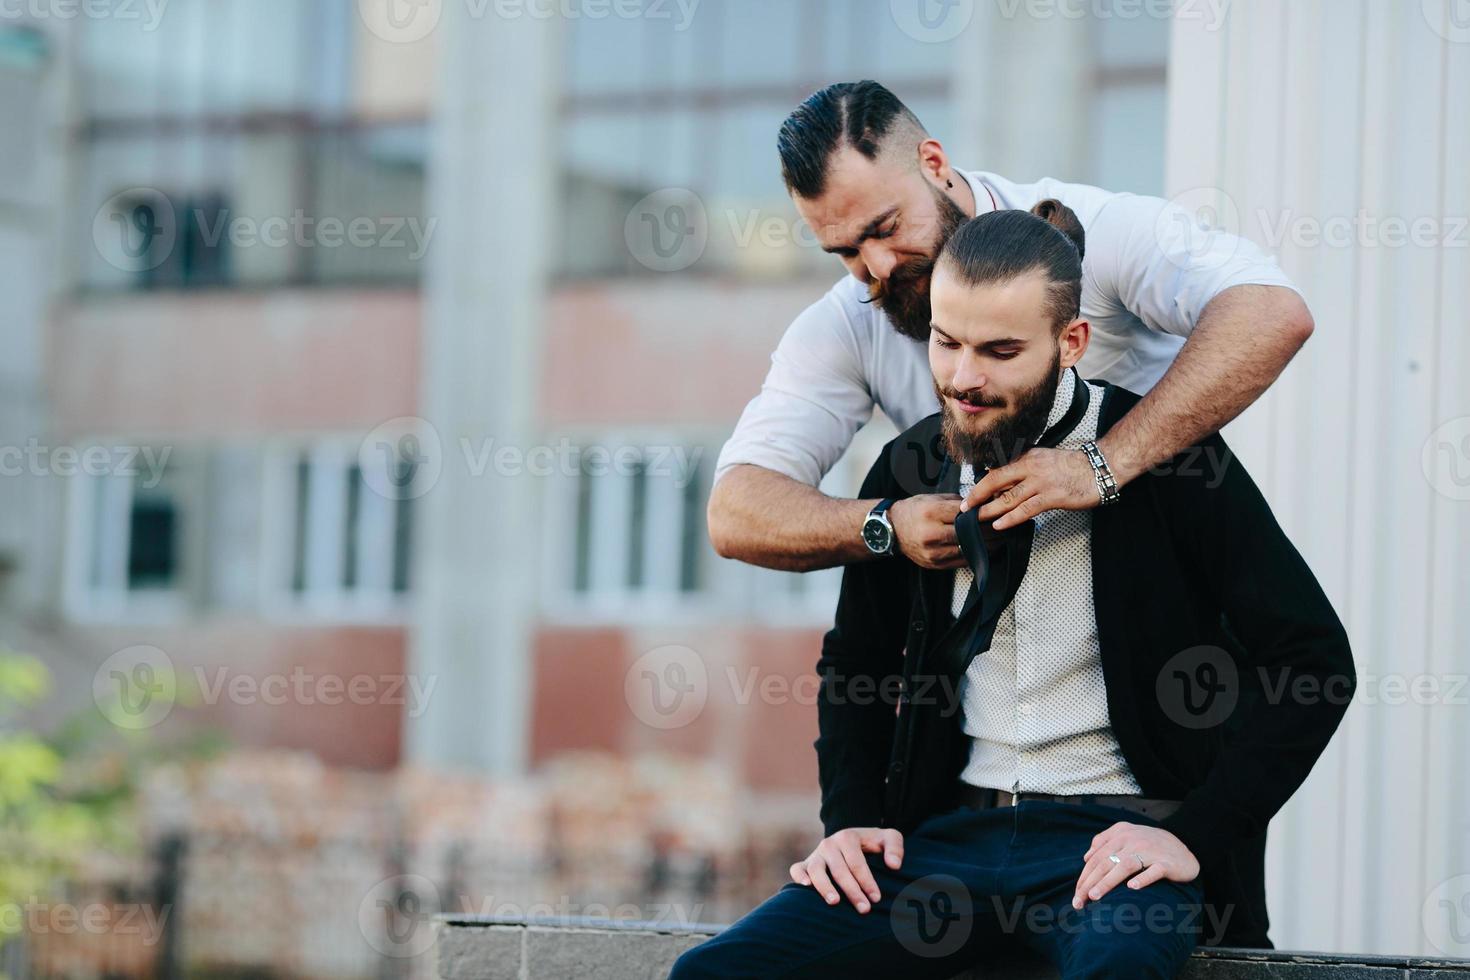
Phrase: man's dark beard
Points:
(1009, 436)
(904, 295)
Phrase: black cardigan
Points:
(1193, 581)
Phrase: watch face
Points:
(877, 535)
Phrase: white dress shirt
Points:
(1035, 704)
(1148, 271)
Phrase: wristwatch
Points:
(878, 531)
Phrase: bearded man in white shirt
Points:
(1200, 320)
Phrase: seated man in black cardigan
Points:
(1076, 742)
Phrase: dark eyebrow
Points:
(866, 233)
(989, 345)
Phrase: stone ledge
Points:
(475, 947)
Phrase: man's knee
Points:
(697, 963)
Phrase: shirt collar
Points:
(985, 199)
(1062, 400)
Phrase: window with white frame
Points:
(337, 545)
(626, 522)
(135, 523)
(626, 536)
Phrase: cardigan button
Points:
(917, 626)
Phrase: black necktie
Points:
(998, 559)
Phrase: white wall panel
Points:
(1303, 114)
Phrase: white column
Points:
(37, 90)
(1331, 128)
(493, 168)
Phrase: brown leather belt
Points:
(984, 798)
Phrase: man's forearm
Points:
(1244, 339)
(766, 518)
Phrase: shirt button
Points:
(917, 626)
(1025, 709)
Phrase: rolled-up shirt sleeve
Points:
(814, 399)
(1164, 265)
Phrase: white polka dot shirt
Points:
(1035, 704)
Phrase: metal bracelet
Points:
(1102, 473)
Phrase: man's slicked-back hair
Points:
(999, 246)
(862, 115)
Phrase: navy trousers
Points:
(971, 882)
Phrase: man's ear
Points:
(934, 162)
(1072, 342)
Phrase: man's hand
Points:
(1039, 480)
(923, 526)
(838, 862)
(1145, 855)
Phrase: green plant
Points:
(67, 795)
(41, 832)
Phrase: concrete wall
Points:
(471, 948)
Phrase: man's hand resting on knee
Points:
(838, 863)
(1145, 855)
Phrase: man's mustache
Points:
(904, 278)
(976, 398)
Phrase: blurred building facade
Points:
(206, 322)
(222, 353)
